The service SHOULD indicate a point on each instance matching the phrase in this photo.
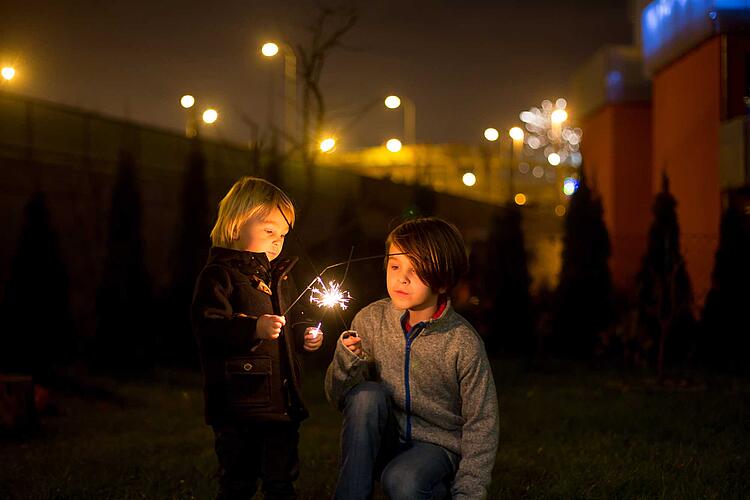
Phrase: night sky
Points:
(466, 64)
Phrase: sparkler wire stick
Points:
(332, 266)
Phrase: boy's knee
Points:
(366, 398)
(398, 484)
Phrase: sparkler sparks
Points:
(330, 295)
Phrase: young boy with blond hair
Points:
(410, 362)
(248, 349)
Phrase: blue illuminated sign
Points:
(671, 27)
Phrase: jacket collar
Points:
(251, 262)
(400, 316)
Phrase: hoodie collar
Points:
(402, 316)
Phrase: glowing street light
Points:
(516, 133)
(210, 116)
(469, 179)
(269, 49)
(570, 186)
(327, 144)
(393, 145)
(8, 73)
(491, 134)
(392, 102)
(410, 115)
(187, 101)
(559, 116)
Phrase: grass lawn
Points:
(566, 432)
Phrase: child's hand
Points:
(268, 326)
(313, 338)
(352, 342)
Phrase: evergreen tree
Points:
(38, 331)
(124, 330)
(511, 324)
(665, 295)
(584, 297)
(724, 322)
(190, 254)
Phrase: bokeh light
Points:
(269, 49)
(469, 179)
(393, 145)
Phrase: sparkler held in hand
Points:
(329, 296)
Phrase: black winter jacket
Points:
(246, 379)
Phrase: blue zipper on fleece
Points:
(415, 331)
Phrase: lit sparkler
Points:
(330, 295)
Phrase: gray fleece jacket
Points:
(440, 382)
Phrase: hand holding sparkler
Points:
(268, 326)
(313, 338)
(352, 341)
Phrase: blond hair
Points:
(249, 197)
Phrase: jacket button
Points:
(247, 367)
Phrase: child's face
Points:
(265, 235)
(405, 288)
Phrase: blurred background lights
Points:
(554, 159)
(520, 199)
(491, 134)
(393, 145)
(516, 133)
(559, 116)
(187, 101)
(8, 73)
(392, 101)
(327, 144)
(210, 116)
(469, 179)
(570, 186)
(269, 49)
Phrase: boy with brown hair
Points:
(411, 358)
(249, 354)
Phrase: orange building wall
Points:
(617, 153)
(687, 97)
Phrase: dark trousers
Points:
(265, 451)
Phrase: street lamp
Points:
(410, 115)
(517, 134)
(327, 144)
(8, 72)
(209, 115)
(393, 145)
(491, 134)
(271, 49)
(187, 101)
(469, 179)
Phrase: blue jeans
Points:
(413, 471)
